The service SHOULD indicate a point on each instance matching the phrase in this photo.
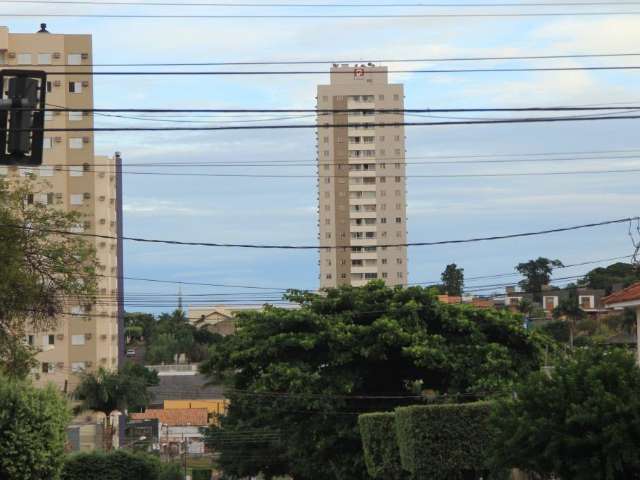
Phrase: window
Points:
(77, 339)
(26, 171)
(49, 87)
(383, 220)
(24, 59)
(396, 97)
(327, 235)
(75, 143)
(44, 59)
(46, 143)
(398, 220)
(325, 139)
(382, 179)
(75, 199)
(75, 87)
(48, 116)
(75, 170)
(78, 366)
(370, 275)
(384, 261)
(399, 274)
(4, 169)
(380, 97)
(47, 367)
(385, 274)
(75, 116)
(586, 301)
(74, 59)
(396, 138)
(399, 261)
(328, 276)
(31, 339)
(50, 339)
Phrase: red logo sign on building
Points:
(358, 72)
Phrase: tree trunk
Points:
(571, 329)
(108, 434)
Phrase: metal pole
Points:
(120, 274)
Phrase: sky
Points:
(283, 210)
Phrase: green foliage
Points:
(40, 273)
(350, 342)
(118, 465)
(144, 322)
(106, 391)
(605, 278)
(580, 422)
(32, 430)
(201, 474)
(171, 471)
(444, 442)
(380, 445)
(453, 279)
(558, 330)
(536, 273)
(16, 358)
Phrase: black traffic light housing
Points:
(22, 92)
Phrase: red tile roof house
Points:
(627, 298)
(179, 428)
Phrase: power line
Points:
(347, 72)
(358, 61)
(344, 125)
(326, 111)
(325, 5)
(443, 175)
(325, 247)
(322, 17)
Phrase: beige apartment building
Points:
(361, 178)
(76, 179)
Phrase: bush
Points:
(171, 471)
(32, 430)
(558, 330)
(444, 442)
(201, 474)
(380, 445)
(118, 465)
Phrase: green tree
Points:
(605, 278)
(118, 465)
(580, 422)
(569, 308)
(32, 430)
(40, 274)
(106, 391)
(537, 274)
(144, 325)
(296, 378)
(453, 279)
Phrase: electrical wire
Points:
(359, 61)
(323, 247)
(323, 16)
(346, 72)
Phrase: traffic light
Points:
(22, 104)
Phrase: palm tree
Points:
(107, 391)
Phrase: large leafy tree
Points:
(537, 274)
(106, 391)
(297, 379)
(453, 279)
(580, 422)
(32, 430)
(40, 272)
(606, 278)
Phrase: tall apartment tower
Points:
(361, 178)
(86, 337)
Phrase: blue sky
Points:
(283, 210)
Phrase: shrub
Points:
(444, 442)
(171, 471)
(201, 474)
(380, 445)
(32, 430)
(118, 465)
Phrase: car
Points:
(131, 352)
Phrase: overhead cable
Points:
(323, 247)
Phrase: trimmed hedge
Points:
(380, 445)
(444, 442)
(118, 465)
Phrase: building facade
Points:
(72, 178)
(361, 178)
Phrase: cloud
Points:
(154, 207)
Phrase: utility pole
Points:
(22, 116)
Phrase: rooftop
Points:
(629, 294)
(176, 416)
